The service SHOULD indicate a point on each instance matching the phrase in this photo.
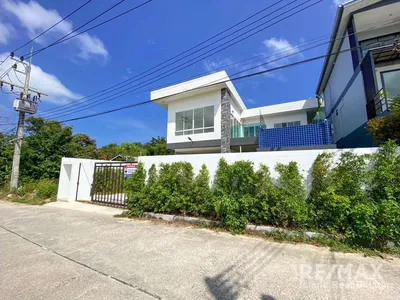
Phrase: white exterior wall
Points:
(270, 120)
(197, 101)
(351, 111)
(304, 158)
(340, 76)
(67, 183)
(235, 111)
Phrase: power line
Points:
(209, 85)
(16, 76)
(54, 25)
(71, 32)
(48, 29)
(66, 37)
(63, 114)
(265, 63)
(152, 68)
(200, 56)
(93, 27)
(8, 93)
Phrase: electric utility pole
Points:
(23, 104)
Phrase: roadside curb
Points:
(250, 228)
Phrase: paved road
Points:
(54, 253)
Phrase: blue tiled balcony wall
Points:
(295, 136)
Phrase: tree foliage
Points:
(387, 128)
(47, 141)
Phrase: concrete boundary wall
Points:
(304, 158)
(68, 180)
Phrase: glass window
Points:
(179, 121)
(188, 120)
(209, 116)
(199, 120)
(391, 82)
(287, 124)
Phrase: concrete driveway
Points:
(54, 253)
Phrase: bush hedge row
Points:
(357, 198)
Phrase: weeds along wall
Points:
(304, 159)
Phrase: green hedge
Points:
(357, 197)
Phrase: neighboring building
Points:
(357, 85)
(207, 115)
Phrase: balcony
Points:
(246, 130)
(378, 104)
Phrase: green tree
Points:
(83, 146)
(43, 147)
(6, 154)
(157, 146)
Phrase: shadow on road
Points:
(235, 279)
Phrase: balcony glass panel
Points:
(246, 130)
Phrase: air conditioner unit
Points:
(26, 106)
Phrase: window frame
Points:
(194, 130)
(383, 80)
(287, 124)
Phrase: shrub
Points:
(321, 181)
(202, 199)
(388, 222)
(388, 127)
(152, 190)
(349, 176)
(233, 213)
(46, 188)
(333, 211)
(135, 190)
(234, 193)
(221, 179)
(264, 193)
(385, 173)
(290, 207)
(176, 181)
(362, 229)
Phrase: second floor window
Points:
(199, 120)
(287, 124)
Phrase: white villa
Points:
(207, 115)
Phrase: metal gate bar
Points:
(108, 183)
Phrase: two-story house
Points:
(362, 70)
(207, 115)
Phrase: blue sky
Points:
(148, 36)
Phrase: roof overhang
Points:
(287, 107)
(201, 85)
(343, 15)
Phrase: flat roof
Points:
(196, 86)
(286, 107)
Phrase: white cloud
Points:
(35, 19)
(278, 52)
(216, 65)
(278, 48)
(251, 101)
(6, 32)
(46, 82)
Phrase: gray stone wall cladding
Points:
(225, 121)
